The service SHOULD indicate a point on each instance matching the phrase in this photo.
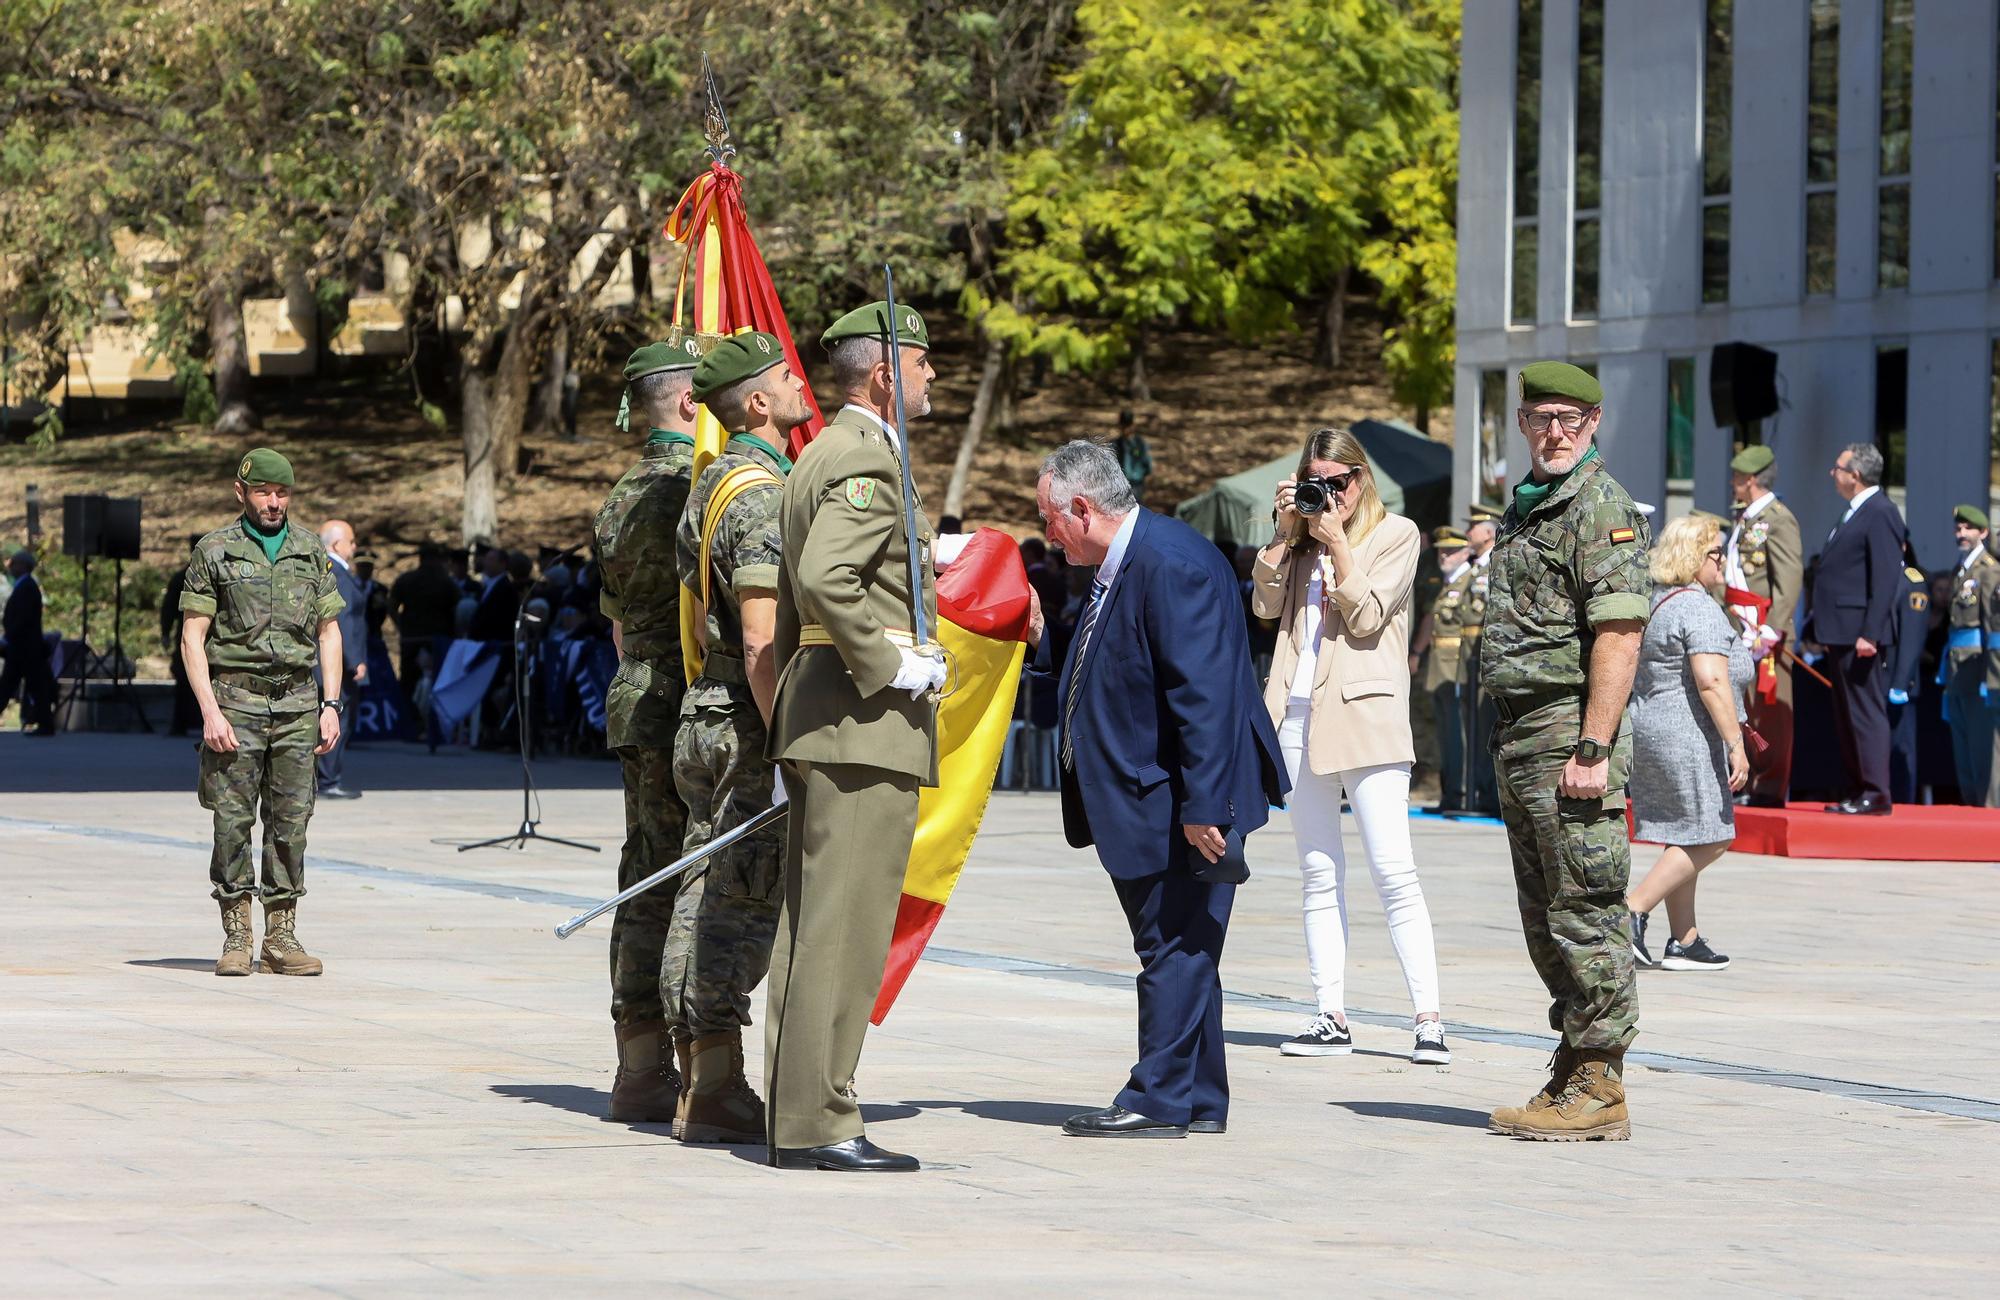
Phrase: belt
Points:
(724, 668)
(258, 684)
(1444, 640)
(1968, 638)
(1512, 708)
(816, 634)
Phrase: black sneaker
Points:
(1639, 953)
(1430, 1048)
(1695, 956)
(1323, 1037)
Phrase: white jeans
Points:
(1381, 800)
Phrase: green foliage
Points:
(61, 579)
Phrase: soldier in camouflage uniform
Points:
(259, 608)
(1439, 640)
(1565, 613)
(641, 597)
(728, 553)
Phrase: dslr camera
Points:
(1311, 495)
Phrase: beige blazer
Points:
(1361, 683)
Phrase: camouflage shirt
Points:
(746, 551)
(1570, 565)
(267, 612)
(635, 553)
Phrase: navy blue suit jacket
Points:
(353, 620)
(1857, 583)
(1170, 728)
(22, 625)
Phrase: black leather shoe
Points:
(1762, 801)
(855, 1156)
(1208, 1126)
(1861, 806)
(1117, 1122)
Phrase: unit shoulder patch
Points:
(860, 492)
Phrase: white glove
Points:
(778, 792)
(946, 547)
(919, 675)
(1767, 639)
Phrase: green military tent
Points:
(1412, 473)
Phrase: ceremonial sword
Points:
(917, 616)
(761, 820)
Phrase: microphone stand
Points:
(530, 797)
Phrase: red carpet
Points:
(1910, 833)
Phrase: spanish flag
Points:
(983, 605)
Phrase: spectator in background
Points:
(374, 597)
(338, 539)
(1905, 679)
(455, 567)
(1135, 458)
(493, 617)
(187, 710)
(424, 604)
(26, 650)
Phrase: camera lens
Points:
(1309, 497)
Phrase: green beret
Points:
(264, 466)
(1447, 538)
(674, 354)
(1560, 379)
(1753, 460)
(870, 322)
(735, 359)
(1970, 515)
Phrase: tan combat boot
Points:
(236, 943)
(647, 1087)
(684, 1056)
(282, 951)
(1590, 1108)
(1561, 1063)
(721, 1105)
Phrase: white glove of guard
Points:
(947, 547)
(919, 675)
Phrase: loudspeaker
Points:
(83, 525)
(1742, 383)
(119, 537)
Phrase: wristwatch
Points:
(337, 707)
(1590, 751)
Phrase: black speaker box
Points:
(119, 538)
(1742, 383)
(83, 525)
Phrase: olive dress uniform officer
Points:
(855, 730)
(1765, 556)
(1445, 624)
(634, 534)
(1571, 559)
(1963, 672)
(258, 612)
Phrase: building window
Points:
(1680, 424)
(1892, 410)
(1496, 417)
(1716, 72)
(1822, 141)
(1527, 161)
(1589, 144)
(1892, 167)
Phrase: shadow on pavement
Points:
(177, 963)
(1248, 1038)
(1046, 1114)
(594, 1102)
(1451, 1116)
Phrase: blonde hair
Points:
(1681, 547)
(1341, 445)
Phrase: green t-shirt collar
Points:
(271, 542)
(666, 437)
(752, 440)
(1528, 494)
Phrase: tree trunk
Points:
(1423, 420)
(480, 517)
(229, 353)
(493, 403)
(984, 404)
(546, 416)
(1332, 323)
(1136, 386)
(513, 384)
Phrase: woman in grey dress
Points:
(1687, 737)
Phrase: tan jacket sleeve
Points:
(1787, 570)
(1267, 594)
(848, 541)
(1381, 586)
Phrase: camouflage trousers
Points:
(1572, 864)
(271, 768)
(655, 824)
(726, 917)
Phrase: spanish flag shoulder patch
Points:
(1623, 534)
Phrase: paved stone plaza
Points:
(428, 1117)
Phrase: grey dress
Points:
(1680, 768)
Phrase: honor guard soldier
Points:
(1441, 636)
(728, 555)
(634, 533)
(1765, 557)
(1568, 606)
(1476, 716)
(855, 730)
(1963, 673)
(259, 611)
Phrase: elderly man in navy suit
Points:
(1168, 759)
(1854, 597)
(339, 539)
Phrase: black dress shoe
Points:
(855, 1156)
(1208, 1126)
(1861, 806)
(1117, 1122)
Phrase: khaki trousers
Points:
(851, 828)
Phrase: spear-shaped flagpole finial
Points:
(715, 125)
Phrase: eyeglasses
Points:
(1571, 421)
(1339, 482)
(1842, 467)
(1717, 553)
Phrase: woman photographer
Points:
(1687, 737)
(1338, 577)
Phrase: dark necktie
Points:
(1083, 631)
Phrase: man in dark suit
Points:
(339, 540)
(423, 602)
(26, 652)
(1854, 599)
(1168, 758)
(493, 620)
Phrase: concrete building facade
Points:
(1642, 180)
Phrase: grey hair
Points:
(852, 359)
(1089, 470)
(1867, 462)
(1766, 479)
(656, 395)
